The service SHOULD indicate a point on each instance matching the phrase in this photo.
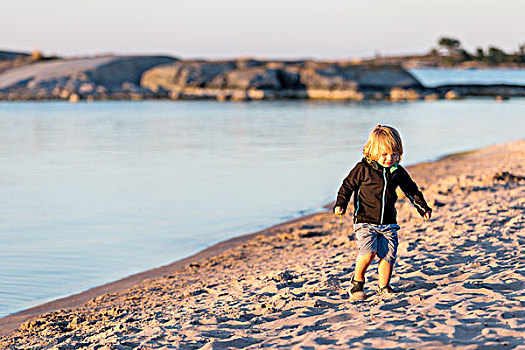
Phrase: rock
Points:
(318, 94)
(254, 94)
(174, 94)
(101, 89)
(74, 98)
(253, 78)
(79, 76)
(290, 77)
(325, 79)
(453, 95)
(432, 97)
(86, 88)
(119, 70)
(10, 55)
(239, 96)
(64, 94)
(186, 74)
(400, 94)
(248, 79)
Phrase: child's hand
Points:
(338, 211)
(427, 216)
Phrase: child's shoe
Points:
(386, 290)
(357, 292)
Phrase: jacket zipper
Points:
(383, 199)
(357, 206)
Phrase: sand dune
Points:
(460, 278)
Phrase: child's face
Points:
(387, 158)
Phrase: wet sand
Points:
(460, 279)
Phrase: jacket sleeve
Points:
(409, 187)
(350, 184)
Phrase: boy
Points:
(373, 181)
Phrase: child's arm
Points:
(350, 184)
(409, 187)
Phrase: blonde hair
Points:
(383, 138)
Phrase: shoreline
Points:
(458, 176)
(498, 92)
(11, 322)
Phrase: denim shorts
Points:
(377, 238)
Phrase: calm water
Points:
(95, 192)
(432, 77)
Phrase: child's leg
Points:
(385, 272)
(362, 262)
(387, 252)
(366, 237)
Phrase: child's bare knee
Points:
(369, 257)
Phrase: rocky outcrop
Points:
(269, 80)
(500, 91)
(147, 77)
(10, 60)
(98, 78)
(10, 55)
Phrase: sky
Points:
(280, 29)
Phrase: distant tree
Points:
(521, 54)
(450, 44)
(492, 55)
(480, 54)
(496, 55)
(455, 54)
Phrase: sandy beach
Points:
(460, 279)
